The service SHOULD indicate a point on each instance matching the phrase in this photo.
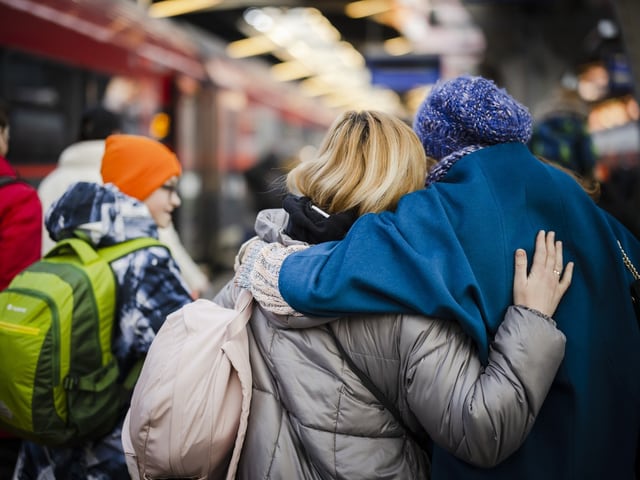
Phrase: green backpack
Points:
(58, 377)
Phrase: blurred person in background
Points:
(263, 180)
(20, 210)
(20, 238)
(620, 194)
(561, 136)
(80, 162)
(561, 133)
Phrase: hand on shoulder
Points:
(545, 284)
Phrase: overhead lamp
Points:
(607, 28)
(349, 55)
(338, 100)
(172, 8)
(312, 52)
(397, 46)
(315, 87)
(287, 71)
(248, 47)
(366, 8)
(258, 19)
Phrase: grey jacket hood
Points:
(270, 225)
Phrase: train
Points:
(222, 116)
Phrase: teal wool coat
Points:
(447, 251)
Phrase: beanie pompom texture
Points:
(137, 165)
(469, 111)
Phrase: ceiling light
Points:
(287, 71)
(607, 28)
(249, 47)
(315, 87)
(312, 51)
(350, 56)
(258, 19)
(397, 46)
(172, 8)
(366, 8)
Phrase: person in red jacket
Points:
(20, 246)
(20, 215)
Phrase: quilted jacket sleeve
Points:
(480, 414)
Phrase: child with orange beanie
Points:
(138, 196)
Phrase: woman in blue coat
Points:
(445, 252)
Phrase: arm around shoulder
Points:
(482, 414)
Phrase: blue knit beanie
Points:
(469, 111)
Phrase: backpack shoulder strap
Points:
(5, 180)
(81, 248)
(113, 252)
(244, 307)
(88, 253)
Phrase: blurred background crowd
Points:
(243, 90)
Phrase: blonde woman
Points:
(311, 415)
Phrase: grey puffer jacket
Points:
(312, 418)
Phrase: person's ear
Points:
(4, 141)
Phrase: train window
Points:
(46, 98)
(37, 135)
(41, 95)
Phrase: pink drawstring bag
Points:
(190, 406)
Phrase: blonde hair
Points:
(367, 161)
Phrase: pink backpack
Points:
(190, 407)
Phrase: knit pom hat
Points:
(469, 111)
(137, 165)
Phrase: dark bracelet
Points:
(538, 313)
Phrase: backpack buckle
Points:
(70, 382)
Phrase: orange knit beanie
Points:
(137, 165)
